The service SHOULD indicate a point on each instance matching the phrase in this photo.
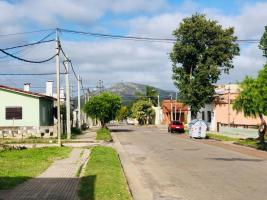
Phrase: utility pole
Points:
(171, 109)
(79, 102)
(68, 98)
(58, 88)
(175, 117)
(229, 105)
(100, 86)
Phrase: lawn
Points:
(103, 134)
(103, 178)
(220, 137)
(17, 166)
(252, 143)
(249, 142)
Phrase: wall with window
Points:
(18, 109)
(207, 114)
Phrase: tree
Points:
(142, 110)
(150, 94)
(202, 51)
(123, 113)
(253, 97)
(103, 107)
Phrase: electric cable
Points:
(25, 60)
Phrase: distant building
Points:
(24, 113)
(220, 112)
(173, 110)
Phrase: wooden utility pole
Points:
(58, 88)
(68, 99)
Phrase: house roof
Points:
(166, 105)
(33, 94)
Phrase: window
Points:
(209, 116)
(13, 113)
(203, 115)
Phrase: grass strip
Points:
(221, 137)
(17, 166)
(103, 134)
(252, 143)
(103, 178)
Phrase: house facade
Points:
(173, 110)
(220, 115)
(24, 113)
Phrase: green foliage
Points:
(220, 137)
(204, 50)
(263, 43)
(103, 107)
(103, 134)
(123, 113)
(103, 178)
(142, 110)
(150, 94)
(17, 166)
(253, 96)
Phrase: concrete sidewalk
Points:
(59, 181)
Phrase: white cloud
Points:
(113, 60)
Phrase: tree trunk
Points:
(103, 124)
(262, 129)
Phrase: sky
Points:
(113, 60)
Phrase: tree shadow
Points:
(23, 187)
(120, 130)
(237, 159)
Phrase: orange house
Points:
(173, 110)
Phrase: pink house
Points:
(221, 110)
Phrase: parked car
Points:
(176, 126)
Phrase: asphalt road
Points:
(162, 166)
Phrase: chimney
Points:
(49, 88)
(27, 87)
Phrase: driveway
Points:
(159, 165)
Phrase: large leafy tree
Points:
(142, 110)
(253, 97)
(202, 51)
(103, 107)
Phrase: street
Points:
(163, 166)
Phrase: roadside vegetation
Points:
(17, 166)
(249, 142)
(103, 107)
(103, 177)
(103, 134)
(220, 137)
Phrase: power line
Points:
(25, 60)
(29, 44)
(148, 39)
(27, 32)
(19, 51)
(140, 38)
(29, 74)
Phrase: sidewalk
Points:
(58, 182)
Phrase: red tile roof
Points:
(166, 105)
(34, 94)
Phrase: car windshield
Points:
(177, 123)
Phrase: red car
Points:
(176, 126)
